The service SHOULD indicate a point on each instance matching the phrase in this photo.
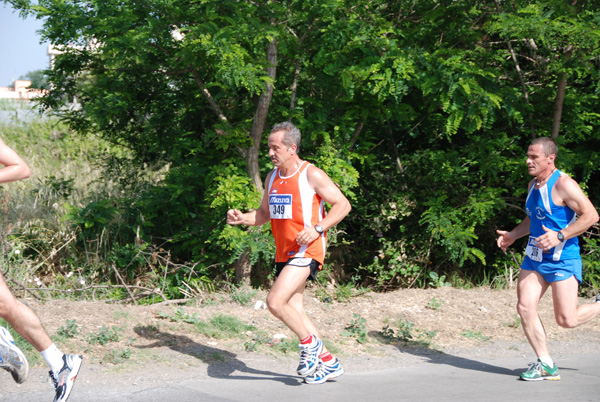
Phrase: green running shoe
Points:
(539, 371)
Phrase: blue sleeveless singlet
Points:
(542, 211)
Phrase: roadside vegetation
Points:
(151, 135)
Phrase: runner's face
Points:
(537, 161)
(278, 151)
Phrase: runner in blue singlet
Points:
(557, 212)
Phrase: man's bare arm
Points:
(16, 168)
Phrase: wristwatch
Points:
(560, 236)
(319, 229)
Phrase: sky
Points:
(20, 48)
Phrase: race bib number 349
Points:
(280, 206)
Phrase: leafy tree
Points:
(422, 118)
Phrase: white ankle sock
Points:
(54, 358)
(547, 361)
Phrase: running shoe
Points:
(309, 357)
(64, 380)
(12, 358)
(539, 371)
(325, 371)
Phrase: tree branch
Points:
(520, 75)
(560, 97)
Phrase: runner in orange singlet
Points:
(294, 204)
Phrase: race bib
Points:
(280, 206)
(533, 251)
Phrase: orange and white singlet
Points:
(293, 206)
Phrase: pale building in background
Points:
(21, 91)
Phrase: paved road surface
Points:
(437, 377)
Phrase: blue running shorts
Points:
(554, 271)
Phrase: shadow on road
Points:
(437, 357)
(220, 363)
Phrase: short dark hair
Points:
(291, 134)
(548, 145)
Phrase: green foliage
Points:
(93, 218)
(467, 333)
(357, 329)
(406, 332)
(343, 293)
(230, 325)
(220, 326)
(71, 330)
(434, 304)
(424, 127)
(591, 265)
(117, 356)
(105, 335)
(436, 281)
(243, 295)
(53, 188)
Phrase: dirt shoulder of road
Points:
(368, 326)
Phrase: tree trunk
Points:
(513, 56)
(560, 98)
(243, 269)
(260, 118)
(558, 106)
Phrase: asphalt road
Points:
(436, 377)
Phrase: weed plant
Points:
(467, 333)
(357, 329)
(71, 330)
(434, 304)
(117, 356)
(402, 330)
(105, 335)
(219, 326)
(243, 295)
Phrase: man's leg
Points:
(297, 303)
(567, 311)
(285, 301)
(25, 323)
(63, 368)
(22, 319)
(530, 289)
(290, 283)
(329, 367)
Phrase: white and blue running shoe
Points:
(309, 357)
(325, 371)
(12, 358)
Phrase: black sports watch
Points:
(560, 236)
(319, 229)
